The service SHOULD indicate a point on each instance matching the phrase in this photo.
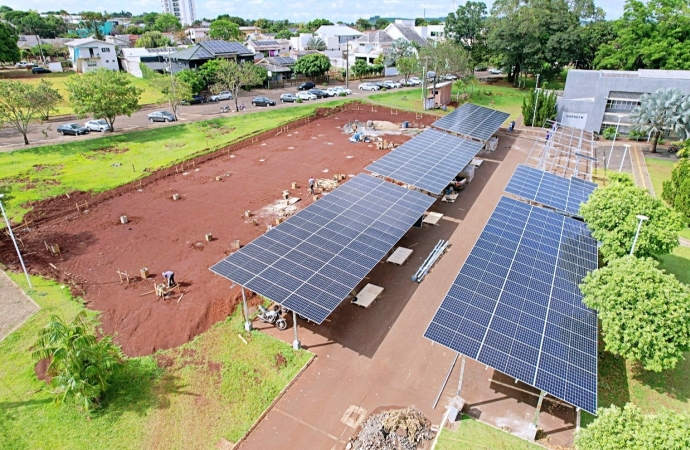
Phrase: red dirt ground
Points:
(163, 234)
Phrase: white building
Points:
(369, 46)
(405, 29)
(198, 34)
(432, 32)
(90, 54)
(185, 10)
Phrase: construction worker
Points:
(170, 277)
(311, 185)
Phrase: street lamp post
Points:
(641, 219)
(14, 241)
(536, 100)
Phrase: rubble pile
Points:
(326, 184)
(396, 429)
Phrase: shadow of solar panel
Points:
(316, 258)
(429, 161)
(473, 121)
(516, 306)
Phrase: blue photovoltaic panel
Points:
(313, 260)
(474, 121)
(565, 194)
(429, 161)
(516, 305)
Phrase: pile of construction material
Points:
(404, 429)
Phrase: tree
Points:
(316, 24)
(467, 27)
(316, 43)
(49, 99)
(149, 19)
(225, 30)
(283, 34)
(22, 104)
(313, 65)
(174, 89)
(407, 66)
(167, 23)
(234, 19)
(381, 24)
(546, 107)
(153, 39)
(80, 364)
(193, 78)
(103, 94)
(209, 69)
(445, 57)
(93, 22)
(663, 111)
(591, 37)
(400, 48)
(644, 312)
(628, 429)
(9, 52)
(363, 24)
(611, 215)
(231, 76)
(676, 191)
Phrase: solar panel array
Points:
(516, 305)
(428, 161)
(281, 60)
(266, 43)
(219, 47)
(474, 121)
(565, 194)
(313, 260)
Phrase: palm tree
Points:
(79, 363)
(316, 43)
(663, 111)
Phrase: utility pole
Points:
(14, 241)
(172, 82)
(536, 100)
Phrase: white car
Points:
(23, 65)
(414, 81)
(450, 77)
(392, 84)
(336, 91)
(368, 87)
(224, 95)
(343, 89)
(97, 125)
(305, 95)
(493, 71)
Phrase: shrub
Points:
(636, 135)
(609, 133)
(676, 191)
(299, 100)
(342, 94)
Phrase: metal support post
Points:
(641, 219)
(462, 375)
(577, 419)
(536, 413)
(14, 241)
(536, 100)
(625, 153)
(296, 345)
(615, 136)
(247, 322)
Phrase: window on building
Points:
(621, 105)
(105, 50)
(91, 63)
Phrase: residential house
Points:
(432, 32)
(197, 35)
(336, 38)
(120, 40)
(279, 69)
(369, 46)
(27, 42)
(274, 47)
(405, 29)
(247, 31)
(196, 55)
(89, 54)
(154, 58)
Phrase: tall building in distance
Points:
(185, 10)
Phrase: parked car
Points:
(343, 89)
(224, 95)
(288, 98)
(319, 93)
(414, 81)
(480, 69)
(263, 101)
(450, 77)
(306, 86)
(430, 75)
(368, 87)
(389, 84)
(36, 70)
(97, 125)
(72, 128)
(404, 82)
(333, 92)
(494, 71)
(161, 116)
(196, 99)
(305, 95)
(23, 65)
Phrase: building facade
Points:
(185, 10)
(90, 54)
(597, 99)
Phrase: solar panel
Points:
(313, 260)
(516, 305)
(428, 161)
(474, 121)
(220, 47)
(565, 194)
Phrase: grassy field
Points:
(214, 387)
(660, 171)
(473, 434)
(149, 96)
(87, 165)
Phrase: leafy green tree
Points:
(231, 76)
(467, 27)
(316, 43)
(546, 107)
(234, 19)
(193, 78)
(149, 19)
(175, 90)
(103, 94)
(407, 66)
(664, 110)
(167, 23)
(644, 312)
(420, 22)
(445, 57)
(80, 364)
(363, 24)
(153, 39)
(359, 68)
(313, 65)
(611, 215)
(49, 99)
(209, 69)
(381, 24)
(264, 24)
(225, 30)
(628, 429)
(400, 48)
(93, 22)
(316, 24)
(283, 34)
(591, 37)
(676, 191)
(9, 52)
(22, 104)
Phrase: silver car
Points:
(224, 95)
(97, 125)
(368, 87)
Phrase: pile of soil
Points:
(395, 429)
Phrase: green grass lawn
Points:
(87, 165)
(473, 434)
(660, 171)
(149, 96)
(211, 388)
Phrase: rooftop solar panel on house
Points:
(565, 194)
(474, 121)
(313, 260)
(428, 161)
(516, 305)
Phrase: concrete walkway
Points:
(15, 306)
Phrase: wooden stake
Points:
(178, 300)
(147, 293)
(240, 336)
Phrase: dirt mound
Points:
(395, 429)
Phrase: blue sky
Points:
(298, 10)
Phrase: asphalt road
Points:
(45, 133)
